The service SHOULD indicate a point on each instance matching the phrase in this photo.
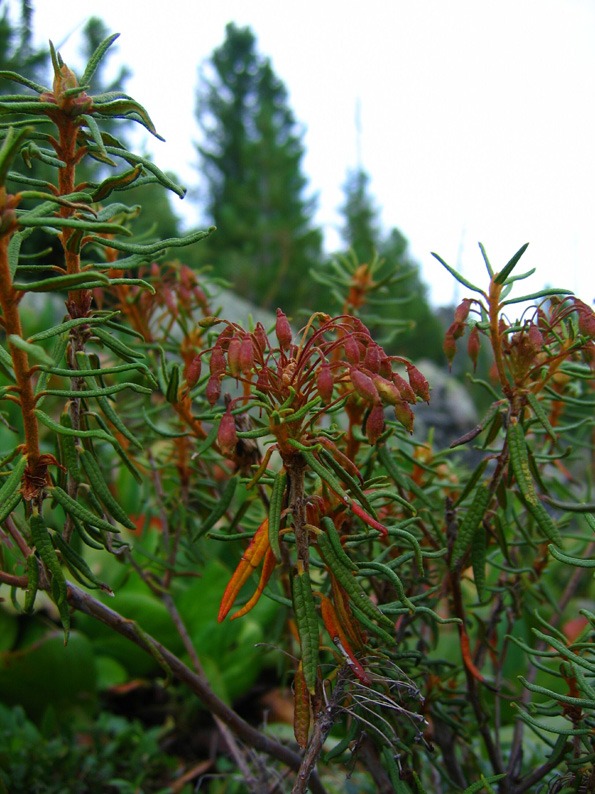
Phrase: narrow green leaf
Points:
(152, 248)
(103, 392)
(10, 147)
(119, 181)
(36, 352)
(123, 350)
(509, 267)
(577, 562)
(18, 78)
(461, 279)
(5, 359)
(486, 260)
(89, 225)
(50, 423)
(126, 108)
(66, 326)
(571, 507)
(34, 107)
(96, 135)
(474, 788)
(70, 281)
(544, 293)
(159, 430)
(96, 58)
(135, 159)
(12, 482)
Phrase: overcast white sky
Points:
(478, 118)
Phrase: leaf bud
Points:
(404, 415)
(213, 390)
(325, 382)
(227, 436)
(283, 331)
(364, 385)
(418, 383)
(208, 322)
(375, 423)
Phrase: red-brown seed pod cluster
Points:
(334, 360)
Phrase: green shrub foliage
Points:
(428, 610)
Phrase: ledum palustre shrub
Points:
(435, 624)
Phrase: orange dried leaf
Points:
(338, 636)
(268, 567)
(251, 559)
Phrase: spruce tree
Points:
(361, 229)
(252, 160)
(404, 299)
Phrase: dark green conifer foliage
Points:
(361, 228)
(251, 156)
(405, 298)
(16, 48)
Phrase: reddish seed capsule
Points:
(589, 355)
(418, 383)
(586, 318)
(375, 423)
(456, 330)
(462, 310)
(352, 351)
(364, 385)
(535, 337)
(450, 348)
(213, 390)
(388, 392)
(372, 357)
(404, 415)
(193, 372)
(246, 355)
(404, 388)
(473, 346)
(283, 331)
(227, 436)
(217, 361)
(262, 382)
(233, 357)
(261, 337)
(325, 383)
(385, 368)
